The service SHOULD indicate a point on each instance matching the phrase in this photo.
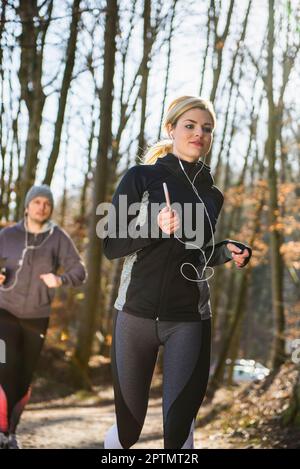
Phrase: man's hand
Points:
(2, 279)
(51, 280)
(238, 255)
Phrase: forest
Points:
(84, 88)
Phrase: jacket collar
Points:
(204, 177)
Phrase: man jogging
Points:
(31, 253)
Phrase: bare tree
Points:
(32, 43)
(94, 255)
(219, 43)
(66, 82)
(238, 311)
(2, 144)
(169, 42)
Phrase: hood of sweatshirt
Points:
(35, 239)
(47, 226)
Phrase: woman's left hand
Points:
(239, 257)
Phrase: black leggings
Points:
(22, 341)
(186, 362)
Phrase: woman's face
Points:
(192, 135)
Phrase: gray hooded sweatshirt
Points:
(28, 256)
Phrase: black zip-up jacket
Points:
(152, 285)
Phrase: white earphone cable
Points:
(25, 249)
(206, 267)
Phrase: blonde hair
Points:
(177, 107)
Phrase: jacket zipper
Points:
(164, 283)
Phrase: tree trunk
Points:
(70, 60)
(231, 74)
(83, 195)
(217, 377)
(291, 415)
(2, 144)
(219, 42)
(218, 374)
(94, 255)
(169, 53)
(32, 41)
(148, 41)
(233, 353)
(278, 351)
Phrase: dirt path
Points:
(244, 416)
(69, 423)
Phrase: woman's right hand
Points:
(2, 279)
(168, 220)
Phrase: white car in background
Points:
(248, 370)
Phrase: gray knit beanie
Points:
(39, 191)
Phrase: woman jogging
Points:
(31, 252)
(163, 298)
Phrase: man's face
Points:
(39, 209)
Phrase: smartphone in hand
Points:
(167, 196)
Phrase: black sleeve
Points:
(118, 242)
(221, 254)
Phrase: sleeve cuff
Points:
(64, 280)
